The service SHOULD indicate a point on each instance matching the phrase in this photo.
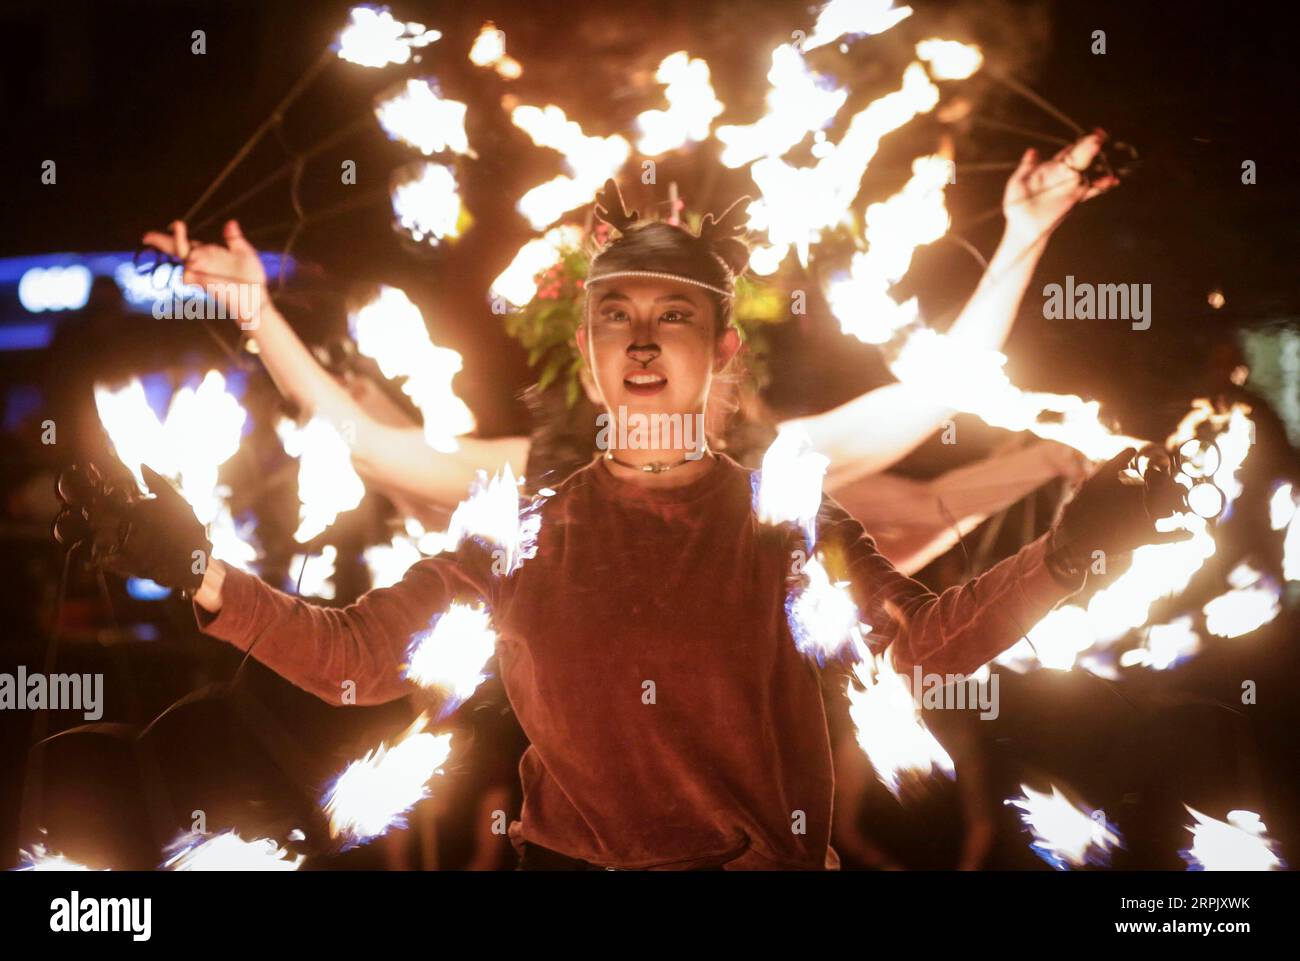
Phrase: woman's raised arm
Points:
(394, 458)
(880, 427)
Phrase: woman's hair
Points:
(711, 259)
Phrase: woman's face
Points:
(652, 345)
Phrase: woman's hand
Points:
(231, 274)
(1040, 193)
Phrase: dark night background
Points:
(139, 126)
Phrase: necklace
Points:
(655, 467)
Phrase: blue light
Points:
(145, 590)
(26, 336)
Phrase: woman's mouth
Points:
(644, 383)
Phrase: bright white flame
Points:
(590, 162)
(419, 117)
(391, 330)
(517, 284)
(201, 431)
(950, 60)
(914, 216)
(691, 106)
(489, 50)
(493, 513)
(1281, 507)
(1239, 844)
(789, 484)
(426, 202)
(1291, 550)
(227, 851)
(798, 102)
(1164, 645)
(388, 563)
(973, 381)
(39, 859)
(451, 656)
(1155, 570)
(327, 483)
(889, 726)
(312, 576)
(1241, 611)
(374, 39)
(854, 18)
(798, 203)
(374, 793)
(1065, 836)
(823, 616)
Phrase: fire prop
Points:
(1066, 835)
(373, 794)
(227, 851)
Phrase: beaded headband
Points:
(660, 275)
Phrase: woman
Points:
(645, 647)
(861, 438)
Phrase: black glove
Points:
(157, 537)
(1114, 514)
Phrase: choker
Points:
(655, 467)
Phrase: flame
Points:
(39, 859)
(691, 106)
(1250, 604)
(227, 851)
(327, 483)
(517, 284)
(388, 563)
(419, 117)
(201, 432)
(452, 655)
(374, 39)
(372, 795)
(889, 726)
(823, 617)
(489, 50)
(1240, 844)
(788, 486)
(312, 575)
(797, 204)
(590, 162)
(426, 202)
(1291, 550)
(493, 515)
(972, 380)
(1164, 645)
(1065, 835)
(391, 330)
(950, 60)
(854, 18)
(798, 101)
(914, 216)
(1281, 507)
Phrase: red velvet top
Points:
(647, 655)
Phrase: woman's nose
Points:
(643, 353)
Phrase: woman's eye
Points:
(674, 317)
(616, 316)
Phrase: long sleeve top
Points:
(646, 652)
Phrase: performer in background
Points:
(645, 647)
(914, 521)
